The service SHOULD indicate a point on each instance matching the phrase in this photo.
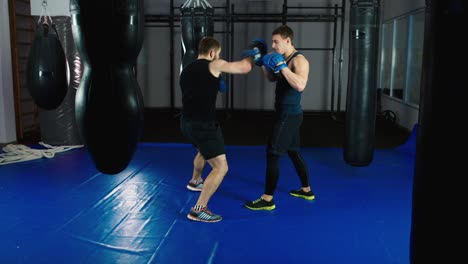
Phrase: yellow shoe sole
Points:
(262, 208)
(310, 198)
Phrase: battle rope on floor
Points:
(18, 153)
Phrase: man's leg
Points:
(271, 176)
(212, 146)
(213, 180)
(200, 211)
(305, 192)
(301, 169)
(295, 155)
(198, 165)
(265, 202)
(196, 183)
(275, 149)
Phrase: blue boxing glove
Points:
(256, 50)
(265, 61)
(275, 62)
(222, 84)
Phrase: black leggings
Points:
(272, 170)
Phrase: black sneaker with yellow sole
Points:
(260, 204)
(301, 194)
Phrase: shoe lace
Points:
(206, 210)
(258, 200)
(196, 182)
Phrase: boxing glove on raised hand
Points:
(256, 50)
(275, 62)
(265, 61)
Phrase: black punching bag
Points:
(58, 126)
(196, 22)
(361, 95)
(439, 205)
(109, 107)
(46, 70)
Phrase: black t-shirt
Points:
(199, 91)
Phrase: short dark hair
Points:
(208, 43)
(284, 31)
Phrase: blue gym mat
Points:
(62, 210)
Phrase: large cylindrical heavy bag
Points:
(58, 126)
(109, 104)
(196, 23)
(362, 81)
(46, 70)
(438, 192)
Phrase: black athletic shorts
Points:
(207, 137)
(285, 135)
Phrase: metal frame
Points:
(230, 17)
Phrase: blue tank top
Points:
(287, 99)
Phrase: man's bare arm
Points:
(236, 67)
(297, 77)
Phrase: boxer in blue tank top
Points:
(290, 70)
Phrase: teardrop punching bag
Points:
(361, 95)
(196, 22)
(109, 105)
(58, 126)
(46, 70)
(439, 205)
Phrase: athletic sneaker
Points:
(204, 215)
(301, 194)
(260, 204)
(195, 186)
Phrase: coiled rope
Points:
(19, 153)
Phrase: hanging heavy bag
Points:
(46, 70)
(196, 22)
(109, 105)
